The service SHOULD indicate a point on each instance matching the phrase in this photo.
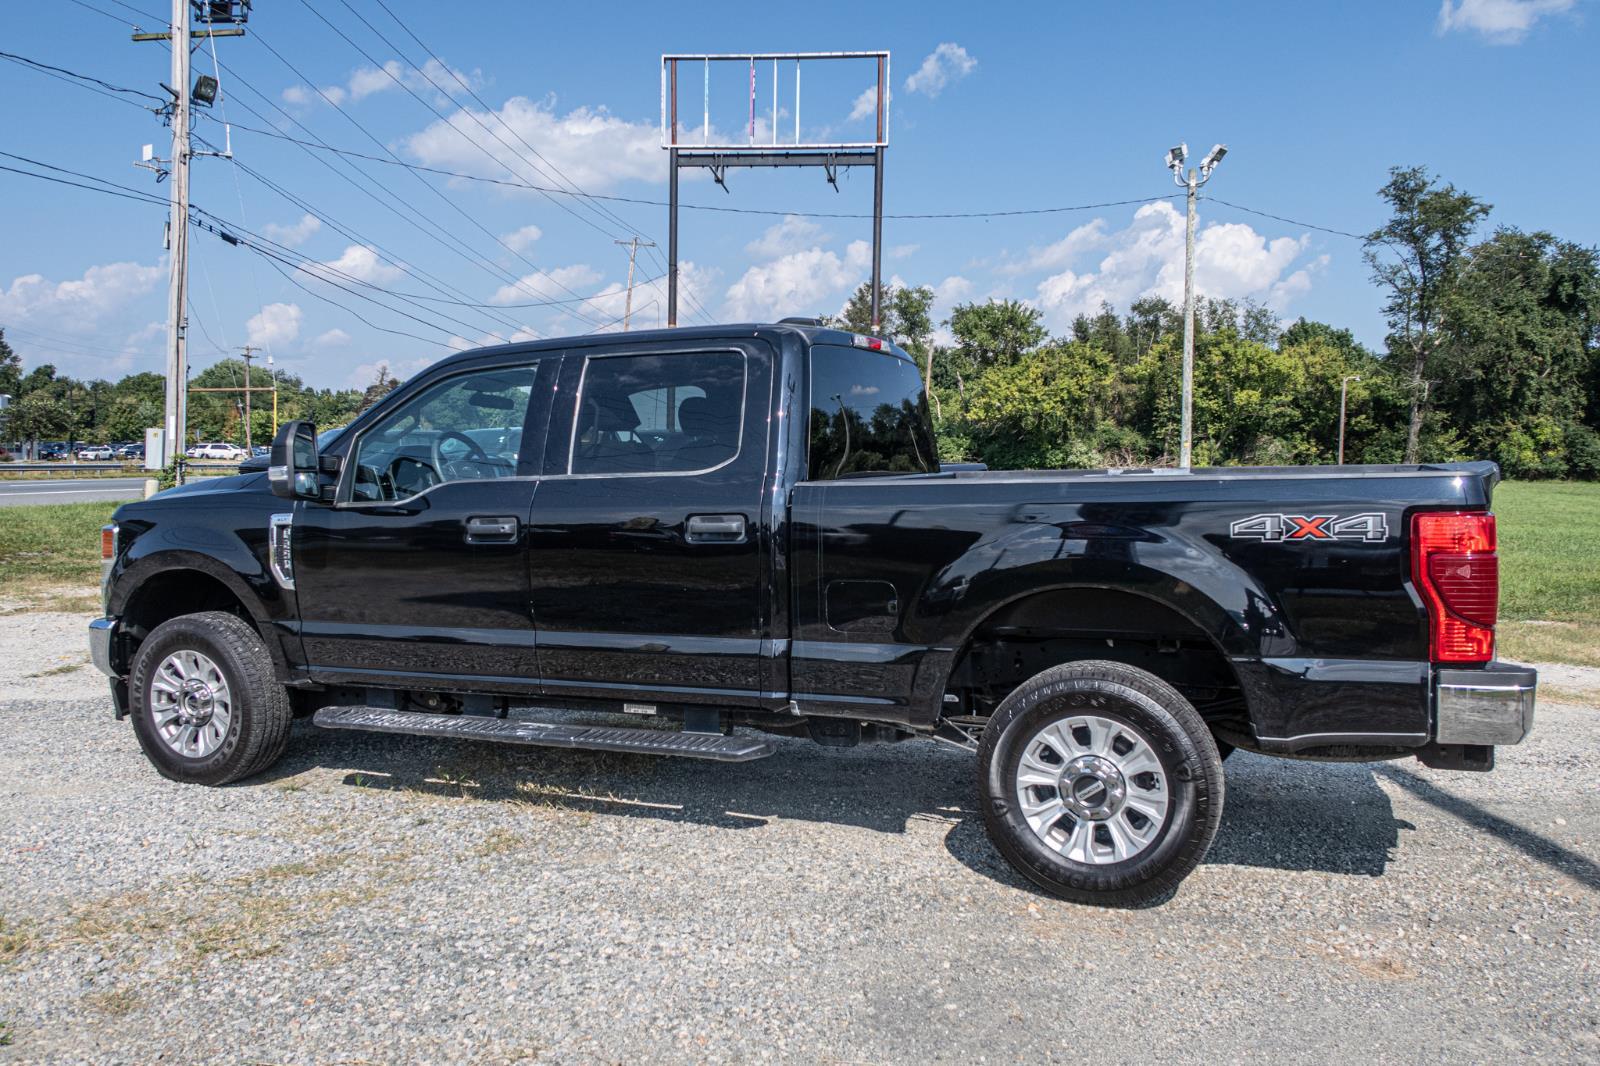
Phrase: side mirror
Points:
(293, 466)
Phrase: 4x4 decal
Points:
(1368, 526)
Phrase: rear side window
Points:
(649, 414)
(869, 415)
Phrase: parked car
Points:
(750, 527)
(131, 451)
(52, 451)
(95, 453)
(217, 450)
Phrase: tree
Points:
(383, 383)
(996, 332)
(1416, 257)
(39, 416)
(10, 369)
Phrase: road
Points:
(88, 490)
(393, 899)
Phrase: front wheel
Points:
(206, 706)
(1100, 783)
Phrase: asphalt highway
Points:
(86, 490)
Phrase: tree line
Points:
(1493, 351)
(47, 405)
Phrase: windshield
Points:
(869, 415)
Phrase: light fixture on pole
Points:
(1176, 156)
(1344, 391)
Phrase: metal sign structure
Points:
(712, 149)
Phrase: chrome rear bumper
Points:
(1492, 705)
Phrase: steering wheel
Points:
(474, 451)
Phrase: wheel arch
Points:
(160, 587)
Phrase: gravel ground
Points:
(397, 900)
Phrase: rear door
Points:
(647, 553)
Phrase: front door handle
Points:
(715, 529)
(493, 529)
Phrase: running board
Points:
(544, 734)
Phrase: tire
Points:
(1104, 848)
(235, 722)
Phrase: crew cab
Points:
(746, 530)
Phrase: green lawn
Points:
(1549, 564)
(1549, 571)
(50, 555)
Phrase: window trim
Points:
(577, 402)
(343, 496)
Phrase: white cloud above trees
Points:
(947, 63)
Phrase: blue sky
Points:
(995, 107)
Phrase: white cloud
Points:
(903, 251)
(592, 147)
(1060, 253)
(791, 235)
(798, 283)
(865, 105)
(1498, 21)
(368, 81)
(946, 63)
(358, 262)
(402, 369)
(333, 338)
(274, 324)
(296, 233)
(521, 240)
(81, 301)
(547, 285)
(1232, 260)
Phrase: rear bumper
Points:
(102, 631)
(1488, 706)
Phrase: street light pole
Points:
(1191, 183)
(1344, 390)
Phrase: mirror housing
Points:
(293, 468)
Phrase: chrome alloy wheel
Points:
(190, 704)
(1092, 789)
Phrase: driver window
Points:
(465, 428)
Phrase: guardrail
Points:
(134, 468)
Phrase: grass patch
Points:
(116, 1002)
(1549, 571)
(13, 941)
(52, 550)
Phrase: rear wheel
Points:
(206, 705)
(1100, 783)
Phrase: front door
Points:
(646, 547)
(419, 571)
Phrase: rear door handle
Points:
(492, 529)
(715, 529)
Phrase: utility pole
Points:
(633, 250)
(248, 352)
(1344, 390)
(1191, 182)
(177, 407)
(178, 33)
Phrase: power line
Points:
(451, 203)
(118, 19)
(1290, 221)
(645, 202)
(82, 77)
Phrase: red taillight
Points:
(108, 542)
(1454, 565)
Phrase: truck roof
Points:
(812, 334)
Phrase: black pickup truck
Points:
(749, 527)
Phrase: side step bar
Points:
(543, 734)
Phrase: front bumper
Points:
(102, 631)
(1489, 706)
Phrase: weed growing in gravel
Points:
(62, 668)
(498, 842)
(115, 1002)
(5, 1034)
(13, 941)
